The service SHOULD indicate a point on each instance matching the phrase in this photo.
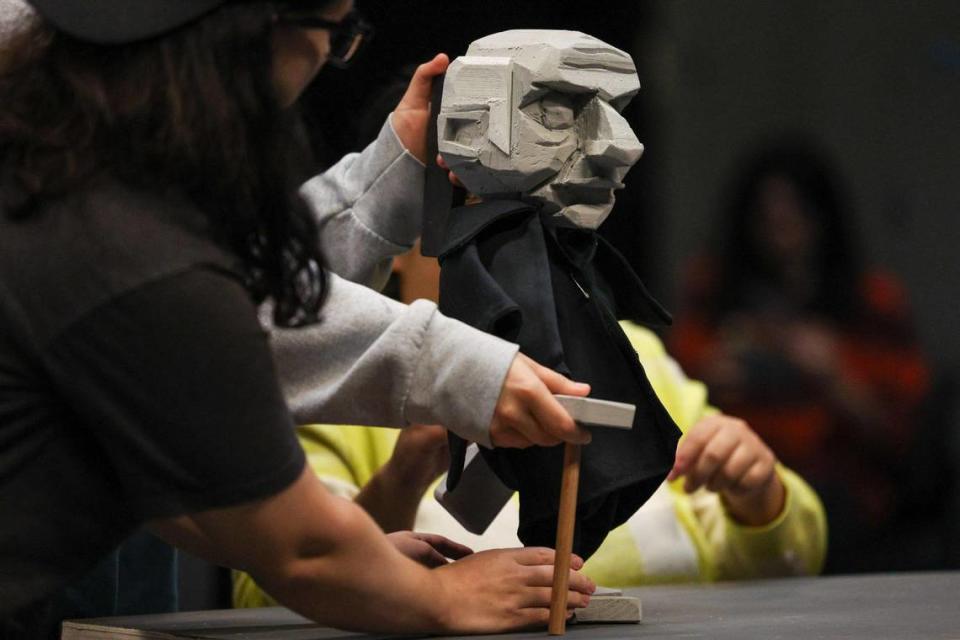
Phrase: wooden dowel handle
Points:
(564, 547)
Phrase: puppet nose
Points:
(610, 141)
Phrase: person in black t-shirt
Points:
(146, 205)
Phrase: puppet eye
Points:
(558, 111)
(554, 111)
(464, 129)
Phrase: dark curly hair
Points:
(195, 110)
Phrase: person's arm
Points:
(789, 539)
(173, 391)
(369, 205)
(325, 558)
(754, 517)
(725, 456)
(392, 495)
(345, 458)
(371, 360)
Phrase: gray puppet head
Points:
(537, 113)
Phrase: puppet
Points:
(530, 122)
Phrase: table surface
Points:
(915, 605)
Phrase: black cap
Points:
(120, 21)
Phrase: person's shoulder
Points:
(78, 251)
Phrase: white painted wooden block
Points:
(601, 413)
(610, 606)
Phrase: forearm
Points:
(794, 543)
(359, 583)
(374, 361)
(390, 501)
(319, 555)
(368, 208)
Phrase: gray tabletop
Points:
(919, 605)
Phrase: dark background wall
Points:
(877, 83)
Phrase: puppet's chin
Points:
(587, 216)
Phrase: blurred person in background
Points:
(793, 332)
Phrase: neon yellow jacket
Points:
(674, 537)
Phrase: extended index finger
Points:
(446, 546)
(693, 445)
(532, 556)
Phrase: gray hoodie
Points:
(371, 360)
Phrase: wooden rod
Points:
(565, 521)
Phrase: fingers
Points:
(690, 447)
(533, 556)
(420, 88)
(580, 583)
(736, 467)
(445, 546)
(540, 563)
(527, 406)
(557, 382)
(515, 424)
(713, 456)
(505, 437)
(576, 562)
(758, 476)
(555, 421)
(724, 455)
(431, 558)
(550, 413)
(454, 180)
(541, 596)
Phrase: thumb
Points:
(418, 92)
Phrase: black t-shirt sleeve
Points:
(174, 382)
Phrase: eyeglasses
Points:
(347, 36)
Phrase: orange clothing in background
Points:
(807, 421)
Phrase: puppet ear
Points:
(482, 83)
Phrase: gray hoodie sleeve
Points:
(368, 207)
(371, 360)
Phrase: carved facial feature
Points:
(535, 114)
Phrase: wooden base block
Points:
(610, 606)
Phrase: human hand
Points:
(429, 549)
(506, 589)
(454, 180)
(419, 457)
(412, 115)
(724, 455)
(527, 413)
